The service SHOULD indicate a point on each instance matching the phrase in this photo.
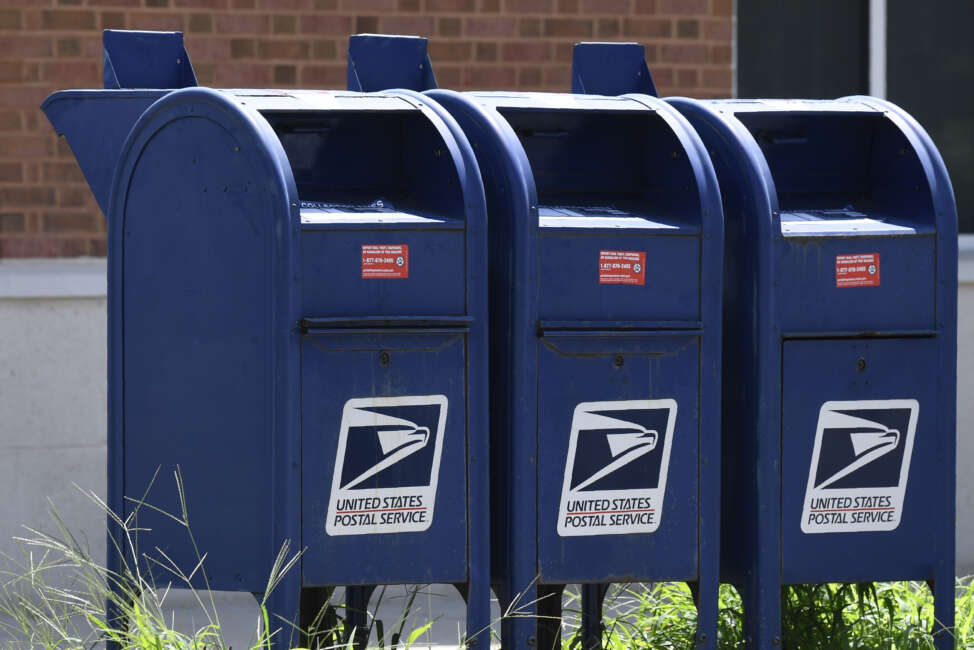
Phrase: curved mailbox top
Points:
(851, 193)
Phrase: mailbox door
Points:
(859, 459)
(383, 447)
(618, 456)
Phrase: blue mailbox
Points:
(297, 315)
(840, 340)
(605, 236)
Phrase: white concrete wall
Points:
(53, 398)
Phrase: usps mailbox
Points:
(297, 291)
(840, 313)
(605, 237)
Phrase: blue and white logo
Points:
(615, 473)
(860, 465)
(387, 465)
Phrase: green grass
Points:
(53, 596)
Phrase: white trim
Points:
(877, 48)
(53, 278)
(965, 259)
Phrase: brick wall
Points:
(46, 209)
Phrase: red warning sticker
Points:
(860, 270)
(622, 267)
(385, 261)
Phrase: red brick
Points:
(35, 46)
(10, 19)
(285, 5)
(529, 27)
(10, 121)
(23, 96)
(607, 28)
(43, 247)
(325, 24)
(66, 19)
(242, 48)
(645, 7)
(724, 8)
(564, 52)
(684, 6)
(495, 78)
(688, 28)
(558, 78)
(209, 49)
(529, 77)
(369, 5)
(412, 25)
(114, 3)
(202, 4)
(286, 75)
(366, 24)
(663, 77)
(717, 30)
(243, 75)
(74, 196)
(285, 24)
(606, 6)
(568, 6)
(450, 50)
(489, 6)
(156, 21)
(244, 4)
(62, 172)
(490, 27)
(68, 222)
(529, 6)
(286, 49)
(685, 53)
(722, 53)
(240, 23)
(686, 77)
(200, 23)
(647, 27)
(486, 51)
(449, 26)
(26, 146)
(11, 173)
(717, 78)
(68, 47)
(323, 50)
(12, 222)
(574, 27)
(450, 6)
(408, 5)
(323, 76)
(15, 195)
(526, 52)
(77, 72)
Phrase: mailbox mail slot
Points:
(298, 322)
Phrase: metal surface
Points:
(248, 349)
(839, 408)
(572, 181)
(801, 343)
(611, 69)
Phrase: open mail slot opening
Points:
(599, 164)
(846, 172)
(386, 164)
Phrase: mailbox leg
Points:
(706, 593)
(593, 595)
(762, 615)
(357, 615)
(943, 612)
(282, 606)
(549, 617)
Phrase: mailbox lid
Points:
(861, 466)
(618, 456)
(620, 206)
(384, 434)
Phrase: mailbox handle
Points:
(386, 322)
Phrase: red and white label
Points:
(385, 261)
(622, 267)
(860, 270)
